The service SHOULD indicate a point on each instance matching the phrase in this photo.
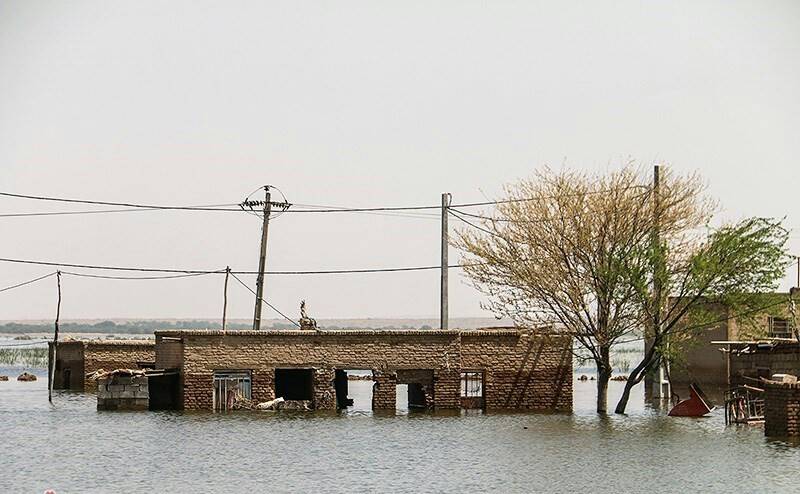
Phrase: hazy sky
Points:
(360, 104)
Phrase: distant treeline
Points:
(147, 327)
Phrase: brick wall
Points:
(523, 369)
(115, 354)
(782, 359)
(168, 353)
(123, 393)
(384, 390)
(781, 409)
(530, 371)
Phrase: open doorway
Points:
(414, 389)
(401, 400)
(294, 384)
(353, 390)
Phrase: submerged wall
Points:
(76, 358)
(781, 409)
(522, 368)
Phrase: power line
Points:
(235, 208)
(473, 225)
(329, 209)
(27, 282)
(222, 271)
(165, 277)
(267, 303)
(125, 204)
(210, 207)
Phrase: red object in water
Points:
(695, 406)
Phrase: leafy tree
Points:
(679, 284)
(558, 251)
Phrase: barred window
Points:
(779, 327)
(471, 384)
(230, 387)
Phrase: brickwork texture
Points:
(523, 369)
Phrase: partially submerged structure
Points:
(714, 356)
(200, 369)
(498, 368)
(76, 359)
(751, 361)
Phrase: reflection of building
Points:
(499, 368)
(77, 358)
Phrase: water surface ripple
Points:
(71, 447)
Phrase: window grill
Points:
(230, 387)
(472, 384)
(779, 327)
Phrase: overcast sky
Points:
(360, 104)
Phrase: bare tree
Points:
(559, 248)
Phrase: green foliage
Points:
(24, 357)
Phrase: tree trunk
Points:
(626, 394)
(602, 391)
(603, 376)
(635, 377)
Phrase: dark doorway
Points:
(294, 384)
(341, 385)
(416, 396)
(164, 391)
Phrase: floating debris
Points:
(26, 376)
(102, 373)
(271, 405)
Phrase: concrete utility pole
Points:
(225, 299)
(662, 386)
(443, 309)
(262, 259)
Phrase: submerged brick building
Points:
(75, 359)
(498, 368)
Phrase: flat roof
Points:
(144, 342)
(768, 341)
(341, 332)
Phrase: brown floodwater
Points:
(71, 447)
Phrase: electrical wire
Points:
(262, 299)
(208, 271)
(235, 208)
(124, 204)
(473, 225)
(165, 277)
(209, 207)
(27, 282)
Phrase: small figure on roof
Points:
(305, 321)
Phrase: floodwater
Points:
(71, 447)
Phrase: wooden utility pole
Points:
(55, 342)
(225, 298)
(443, 309)
(662, 387)
(262, 259)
